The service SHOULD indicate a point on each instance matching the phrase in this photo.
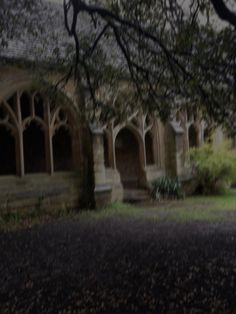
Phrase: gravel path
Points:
(119, 266)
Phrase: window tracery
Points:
(36, 135)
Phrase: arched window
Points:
(34, 149)
(7, 152)
(25, 106)
(149, 149)
(45, 134)
(62, 150)
(192, 135)
(38, 106)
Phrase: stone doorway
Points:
(128, 161)
(193, 137)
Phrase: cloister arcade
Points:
(43, 153)
(132, 149)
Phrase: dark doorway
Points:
(34, 149)
(192, 135)
(62, 150)
(128, 158)
(7, 152)
(149, 149)
(207, 136)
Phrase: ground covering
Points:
(172, 257)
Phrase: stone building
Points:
(42, 155)
(41, 151)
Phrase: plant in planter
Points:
(166, 188)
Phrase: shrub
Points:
(167, 188)
(213, 168)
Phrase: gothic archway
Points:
(37, 124)
(128, 161)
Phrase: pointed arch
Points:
(129, 161)
(38, 124)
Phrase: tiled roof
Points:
(51, 42)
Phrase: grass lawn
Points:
(197, 208)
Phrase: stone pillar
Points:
(179, 142)
(20, 146)
(20, 154)
(98, 157)
(48, 142)
(102, 189)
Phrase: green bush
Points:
(166, 188)
(214, 168)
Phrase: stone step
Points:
(136, 195)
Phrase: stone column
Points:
(48, 142)
(20, 144)
(179, 142)
(178, 133)
(102, 189)
(98, 157)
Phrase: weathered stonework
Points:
(109, 160)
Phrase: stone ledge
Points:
(103, 195)
(102, 188)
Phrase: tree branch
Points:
(224, 12)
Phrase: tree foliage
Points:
(170, 56)
(213, 167)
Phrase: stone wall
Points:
(62, 190)
(50, 189)
(156, 150)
